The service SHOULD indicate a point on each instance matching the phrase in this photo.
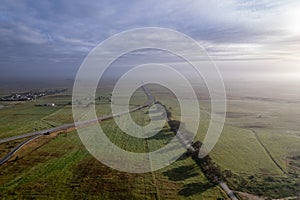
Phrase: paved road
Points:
(36, 134)
(228, 191)
(17, 148)
(149, 102)
(20, 137)
(151, 99)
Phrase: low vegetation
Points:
(61, 167)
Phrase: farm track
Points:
(267, 151)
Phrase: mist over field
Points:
(195, 99)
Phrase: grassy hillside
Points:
(265, 163)
(20, 118)
(61, 167)
(262, 160)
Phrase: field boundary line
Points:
(267, 151)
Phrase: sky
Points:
(51, 38)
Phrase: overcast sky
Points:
(53, 37)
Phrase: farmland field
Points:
(259, 143)
(263, 159)
(150, 100)
(61, 167)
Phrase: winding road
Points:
(65, 127)
(17, 148)
(37, 134)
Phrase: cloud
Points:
(61, 33)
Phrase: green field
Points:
(61, 167)
(265, 163)
(20, 118)
(262, 155)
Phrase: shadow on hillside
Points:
(182, 157)
(162, 135)
(181, 173)
(194, 188)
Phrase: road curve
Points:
(37, 134)
(17, 148)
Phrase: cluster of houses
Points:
(22, 97)
(27, 96)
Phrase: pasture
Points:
(259, 146)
